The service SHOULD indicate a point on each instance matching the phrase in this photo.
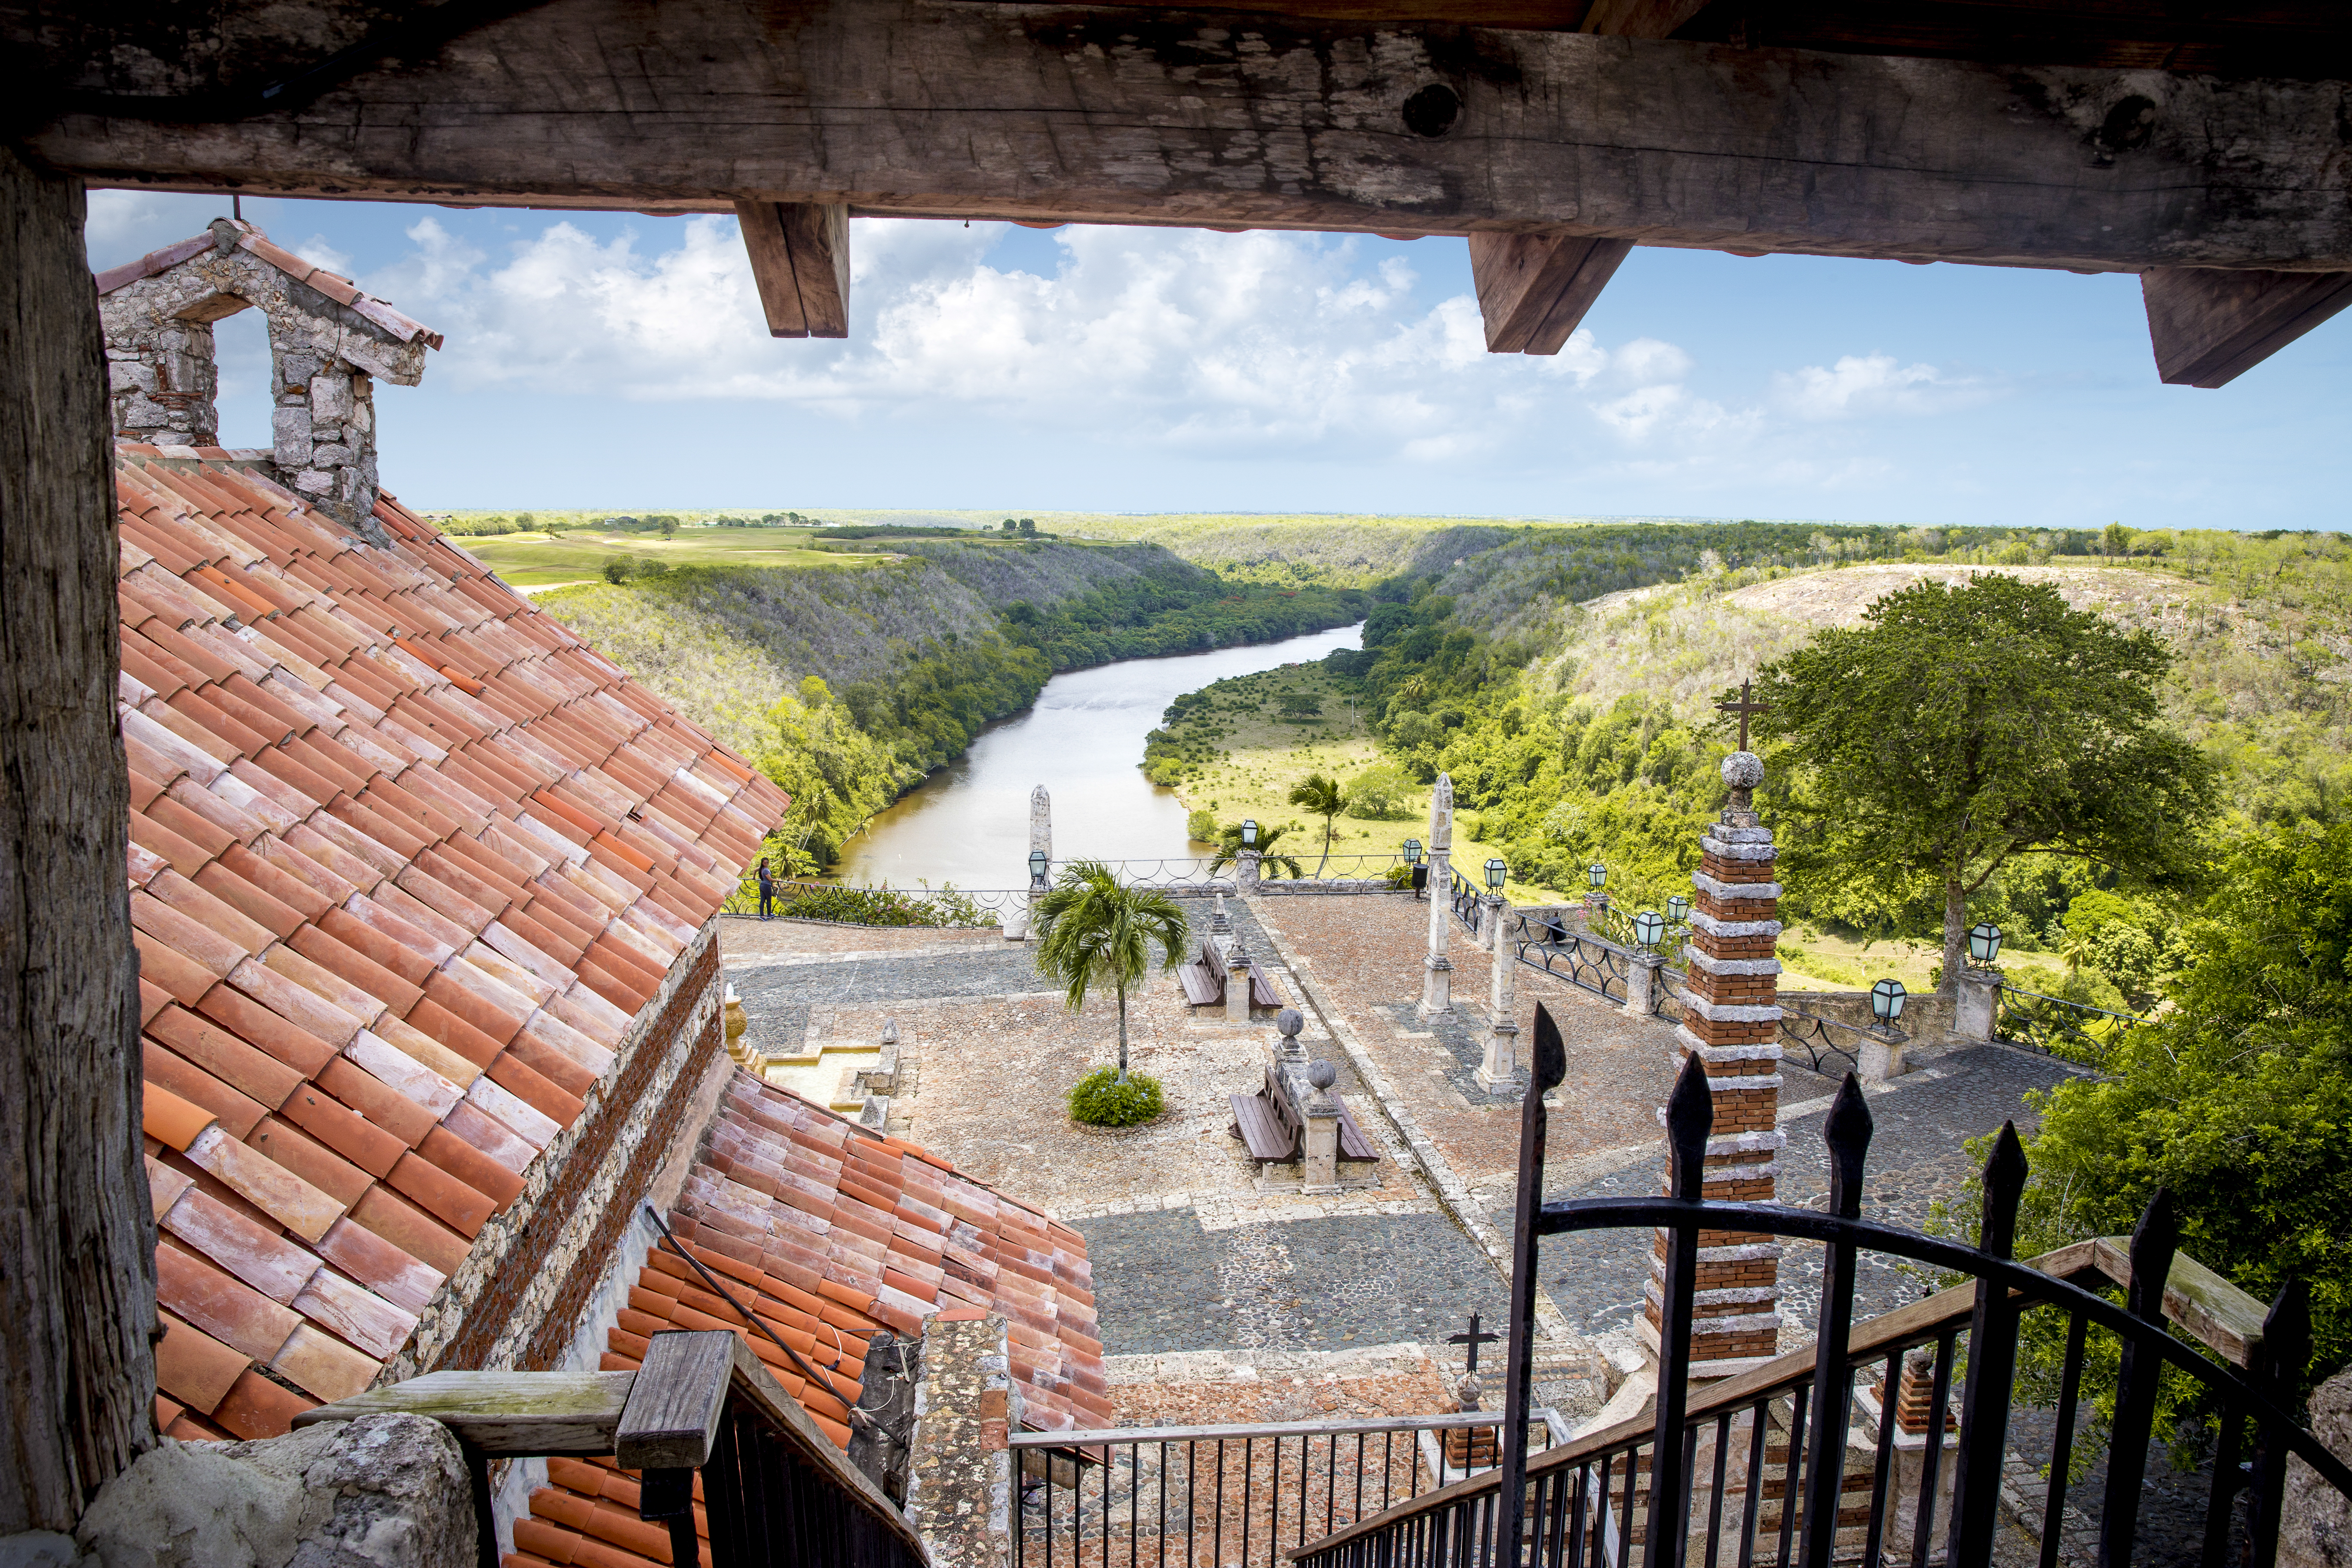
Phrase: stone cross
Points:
(1744, 707)
(1731, 1023)
(1437, 984)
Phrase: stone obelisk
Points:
(1041, 837)
(1437, 983)
(1731, 1022)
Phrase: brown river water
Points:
(1083, 739)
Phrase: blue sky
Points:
(599, 360)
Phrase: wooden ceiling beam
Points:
(800, 259)
(2210, 326)
(1533, 289)
(1110, 115)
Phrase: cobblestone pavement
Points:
(1193, 1250)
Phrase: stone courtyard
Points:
(1226, 1297)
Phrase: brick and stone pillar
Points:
(1437, 986)
(1731, 1023)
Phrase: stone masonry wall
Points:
(512, 1304)
(959, 1474)
(1731, 1024)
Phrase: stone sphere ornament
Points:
(1289, 1021)
(1322, 1075)
(1743, 770)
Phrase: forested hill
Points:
(1579, 728)
(847, 684)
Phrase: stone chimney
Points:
(327, 345)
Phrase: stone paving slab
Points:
(1164, 1282)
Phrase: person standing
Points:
(767, 892)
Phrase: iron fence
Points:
(1803, 1491)
(1234, 1496)
(1544, 940)
(1217, 871)
(2075, 1031)
(1821, 1038)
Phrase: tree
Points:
(2234, 1099)
(1298, 705)
(1321, 795)
(1958, 727)
(670, 528)
(2116, 539)
(1270, 864)
(1011, 526)
(1091, 930)
(1378, 794)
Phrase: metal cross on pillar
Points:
(1744, 707)
(1472, 1338)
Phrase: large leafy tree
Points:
(1958, 727)
(1093, 930)
(2237, 1098)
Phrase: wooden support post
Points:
(78, 1286)
(2211, 325)
(671, 1428)
(1533, 289)
(800, 256)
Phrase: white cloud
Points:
(1874, 384)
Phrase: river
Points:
(1083, 739)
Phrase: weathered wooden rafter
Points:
(1533, 289)
(2211, 326)
(800, 259)
(933, 107)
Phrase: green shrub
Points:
(1201, 826)
(1100, 1100)
(1400, 876)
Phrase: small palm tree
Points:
(1324, 797)
(1270, 864)
(1092, 930)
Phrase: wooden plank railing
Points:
(775, 1490)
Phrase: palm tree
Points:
(1324, 797)
(1229, 849)
(1092, 930)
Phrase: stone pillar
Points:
(1319, 1116)
(1245, 870)
(1437, 987)
(1019, 926)
(1976, 1006)
(1644, 973)
(1881, 1056)
(1500, 1070)
(1731, 1023)
(1237, 982)
(1491, 916)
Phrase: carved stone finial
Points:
(1742, 772)
(1290, 1020)
(1322, 1075)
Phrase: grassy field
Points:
(1250, 756)
(542, 560)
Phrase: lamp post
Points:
(1984, 942)
(1883, 1042)
(1976, 990)
(1649, 930)
(1037, 865)
(1420, 871)
(1678, 911)
(1596, 901)
(1246, 864)
(1490, 911)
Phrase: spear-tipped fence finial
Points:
(1550, 1065)
(1690, 1117)
(1846, 1130)
(2004, 1186)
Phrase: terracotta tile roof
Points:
(407, 857)
(339, 288)
(827, 1233)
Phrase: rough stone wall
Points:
(384, 1491)
(2318, 1520)
(327, 342)
(514, 1302)
(959, 1474)
(1731, 1024)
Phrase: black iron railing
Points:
(1759, 1468)
(1234, 1496)
(2055, 1026)
(1822, 1040)
(1568, 953)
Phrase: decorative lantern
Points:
(1984, 942)
(1649, 929)
(1598, 875)
(1887, 1001)
(1412, 851)
(1249, 833)
(1037, 866)
(1678, 911)
(1495, 873)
